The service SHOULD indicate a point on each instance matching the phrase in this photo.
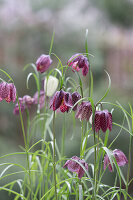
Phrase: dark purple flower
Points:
(41, 98)
(7, 92)
(120, 157)
(103, 120)
(84, 111)
(43, 63)
(61, 100)
(79, 61)
(16, 108)
(75, 97)
(28, 100)
(76, 167)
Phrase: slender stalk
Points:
(129, 164)
(54, 157)
(28, 127)
(42, 188)
(95, 157)
(63, 137)
(26, 146)
(98, 144)
(82, 139)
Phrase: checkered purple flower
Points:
(120, 157)
(16, 108)
(7, 92)
(84, 111)
(79, 61)
(43, 63)
(75, 97)
(76, 167)
(61, 100)
(103, 120)
(28, 101)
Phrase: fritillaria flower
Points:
(75, 97)
(50, 85)
(41, 98)
(79, 61)
(84, 111)
(43, 63)
(28, 100)
(24, 102)
(61, 100)
(103, 120)
(16, 108)
(76, 167)
(7, 92)
(120, 157)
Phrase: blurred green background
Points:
(26, 29)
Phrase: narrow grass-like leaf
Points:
(51, 45)
(123, 128)
(7, 75)
(109, 85)
(12, 191)
(3, 172)
(110, 155)
(80, 192)
(91, 75)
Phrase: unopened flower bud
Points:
(50, 85)
(43, 63)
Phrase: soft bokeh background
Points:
(26, 29)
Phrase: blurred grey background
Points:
(26, 29)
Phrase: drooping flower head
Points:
(16, 108)
(75, 97)
(120, 157)
(50, 85)
(84, 111)
(76, 167)
(28, 100)
(103, 120)
(24, 102)
(61, 100)
(43, 63)
(41, 98)
(7, 92)
(79, 61)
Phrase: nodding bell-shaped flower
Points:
(79, 61)
(61, 100)
(76, 167)
(120, 157)
(50, 85)
(43, 63)
(84, 111)
(28, 100)
(16, 108)
(103, 120)
(75, 97)
(24, 102)
(41, 98)
(7, 92)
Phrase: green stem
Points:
(82, 139)
(44, 138)
(95, 157)
(129, 164)
(80, 83)
(54, 157)
(28, 128)
(63, 137)
(26, 146)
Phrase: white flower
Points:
(50, 85)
